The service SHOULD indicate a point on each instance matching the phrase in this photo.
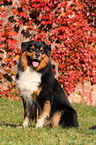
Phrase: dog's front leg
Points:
(26, 118)
(27, 110)
(44, 115)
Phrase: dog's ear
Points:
(25, 45)
(48, 48)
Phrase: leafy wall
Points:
(68, 25)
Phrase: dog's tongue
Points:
(35, 64)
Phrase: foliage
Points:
(89, 11)
(63, 24)
(12, 132)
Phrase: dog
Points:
(40, 90)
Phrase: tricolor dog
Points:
(40, 90)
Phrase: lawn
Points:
(12, 132)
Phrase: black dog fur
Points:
(51, 101)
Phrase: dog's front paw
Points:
(40, 123)
(25, 123)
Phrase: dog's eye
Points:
(32, 49)
(42, 51)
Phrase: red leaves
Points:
(62, 24)
(14, 11)
(1, 22)
(47, 9)
(3, 15)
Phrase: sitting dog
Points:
(40, 90)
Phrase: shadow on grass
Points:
(93, 127)
(11, 124)
(14, 125)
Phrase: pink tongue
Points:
(35, 64)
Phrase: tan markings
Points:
(30, 55)
(33, 47)
(54, 122)
(43, 63)
(41, 48)
(39, 90)
(45, 113)
(44, 60)
(37, 114)
(56, 119)
(46, 109)
(34, 94)
(24, 61)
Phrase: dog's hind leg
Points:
(44, 115)
(69, 118)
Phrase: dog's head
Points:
(35, 54)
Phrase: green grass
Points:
(12, 132)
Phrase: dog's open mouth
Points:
(35, 63)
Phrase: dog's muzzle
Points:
(35, 63)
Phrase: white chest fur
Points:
(28, 82)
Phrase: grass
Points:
(12, 132)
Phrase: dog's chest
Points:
(28, 82)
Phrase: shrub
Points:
(64, 25)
